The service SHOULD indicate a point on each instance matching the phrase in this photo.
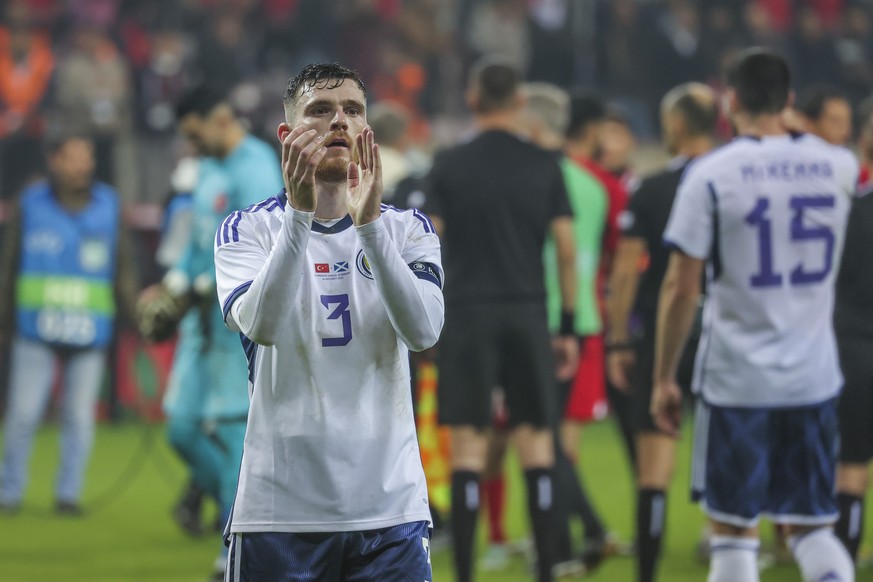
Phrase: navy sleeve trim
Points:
(674, 246)
(251, 350)
(234, 295)
(428, 272)
(425, 221)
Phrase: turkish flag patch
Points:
(322, 268)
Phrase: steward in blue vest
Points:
(64, 272)
(64, 278)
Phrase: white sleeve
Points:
(851, 171)
(690, 228)
(257, 286)
(410, 283)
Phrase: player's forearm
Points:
(676, 308)
(623, 285)
(565, 248)
(263, 310)
(414, 305)
(619, 302)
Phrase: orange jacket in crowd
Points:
(23, 87)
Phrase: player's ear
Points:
(223, 115)
(790, 103)
(283, 131)
(471, 96)
(519, 101)
(680, 126)
(729, 103)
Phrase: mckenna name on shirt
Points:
(786, 171)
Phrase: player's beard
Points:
(335, 169)
(332, 170)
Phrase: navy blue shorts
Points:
(778, 463)
(394, 554)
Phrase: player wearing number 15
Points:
(766, 214)
(330, 290)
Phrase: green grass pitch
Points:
(129, 536)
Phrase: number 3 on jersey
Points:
(800, 232)
(341, 311)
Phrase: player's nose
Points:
(339, 122)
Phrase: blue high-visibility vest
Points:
(65, 285)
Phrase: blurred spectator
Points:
(676, 51)
(167, 72)
(762, 28)
(360, 35)
(26, 67)
(622, 67)
(298, 32)
(94, 97)
(413, 52)
(101, 13)
(777, 12)
(721, 30)
(829, 12)
(855, 50)
(826, 113)
(814, 52)
(425, 29)
(228, 51)
(500, 27)
(401, 80)
(551, 46)
(65, 275)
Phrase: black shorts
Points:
(641, 382)
(856, 400)
(487, 345)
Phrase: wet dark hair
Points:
(319, 76)
(761, 80)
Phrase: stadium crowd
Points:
(169, 107)
(117, 68)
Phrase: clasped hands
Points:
(303, 150)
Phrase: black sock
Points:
(563, 510)
(541, 508)
(572, 495)
(850, 525)
(651, 513)
(465, 514)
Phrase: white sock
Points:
(821, 557)
(733, 559)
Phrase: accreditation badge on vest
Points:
(94, 254)
(66, 315)
(70, 311)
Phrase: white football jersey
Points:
(769, 217)
(331, 442)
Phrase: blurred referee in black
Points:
(495, 198)
(689, 114)
(853, 323)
